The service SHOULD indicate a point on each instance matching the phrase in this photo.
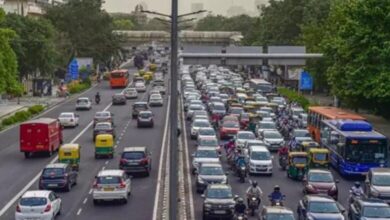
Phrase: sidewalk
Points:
(380, 124)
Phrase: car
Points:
(296, 111)
(192, 108)
(119, 99)
(191, 101)
(263, 114)
(377, 184)
(154, 91)
(58, 176)
(103, 128)
(69, 119)
(272, 139)
(160, 88)
(209, 173)
(315, 207)
(130, 93)
(236, 111)
(137, 107)
(217, 108)
(145, 119)
(269, 110)
(83, 103)
(104, 116)
(260, 160)
(203, 155)
(302, 120)
(301, 135)
(111, 184)
(200, 114)
(196, 125)
(38, 204)
(242, 137)
(218, 202)
(256, 142)
(318, 181)
(276, 213)
(209, 142)
(265, 126)
(368, 209)
(136, 159)
(206, 132)
(140, 86)
(229, 129)
(156, 100)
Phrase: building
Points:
(28, 7)
(197, 7)
(140, 17)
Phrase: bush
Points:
(293, 96)
(35, 109)
(78, 87)
(8, 121)
(22, 116)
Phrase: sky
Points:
(215, 6)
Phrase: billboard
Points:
(305, 81)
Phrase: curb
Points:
(11, 113)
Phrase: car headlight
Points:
(334, 188)
(224, 181)
(206, 205)
(231, 206)
(310, 187)
(200, 180)
(374, 192)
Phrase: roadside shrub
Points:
(78, 87)
(8, 121)
(293, 96)
(22, 116)
(35, 109)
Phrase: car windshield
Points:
(133, 155)
(102, 115)
(301, 133)
(108, 180)
(323, 207)
(155, 97)
(260, 155)
(207, 132)
(145, 115)
(206, 154)
(267, 126)
(236, 111)
(201, 124)
(219, 107)
(33, 201)
(130, 90)
(231, 125)
(219, 193)
(82, 101)
(196, 107)
(140, 106)
(376, 212)
(320, 177)
(272, 135)
(208, 142)
(278, 216)
(211, 171)
(246, 136)
(366, 151)
(381, 180)
(53, 172)
(200, 112)
(102, 126)
(66, 115)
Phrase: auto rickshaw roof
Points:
(303, 154)
(319, 150)
(70, 146)
(104, 136)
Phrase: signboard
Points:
(73, 70)
(305, 81)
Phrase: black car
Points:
(368, 209)
(315, 207)
(103, 128)
(137, 107)
(105, 116)
(209, 173)
(119, 99)
(218, 201)
(136, 160)
(145, 119)
(58, 176)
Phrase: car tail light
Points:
(122, 184)
(48, 208)
(144, 161)
(18, 209)
(123, 161)
(95, 184)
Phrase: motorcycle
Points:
(253, 205)
(276, 202)
(97, 100)
(354, 196)
(240, 216)
(283, 161)
(242, 173)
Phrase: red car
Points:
(321, 182)
(244, 120)
(229, 129)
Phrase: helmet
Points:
(240, 200)
(239, 150)
(254, 183)
(276, 188)
(357, 184)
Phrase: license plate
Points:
(219, 211)
(108, 189)
(52, 185)
(40, 146)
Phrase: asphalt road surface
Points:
(18, 174)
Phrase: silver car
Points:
(111, 185)
(68, 119)
(130, 93)
(196, 125)
(83, 103)
(242, 137)
(204, 155)
(273, 140)
(265, 126)
(156, 100)
(192, 108)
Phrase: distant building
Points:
(28, 7)
(140, 17)
(258, 5)
(236, 10)
(197, 7)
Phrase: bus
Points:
(119, 78)
(262, 85)
(354, 146)
(318, 113)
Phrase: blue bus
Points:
(354, 146)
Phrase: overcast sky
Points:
(216, 6)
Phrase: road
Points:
(19, 174)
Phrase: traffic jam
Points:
(245, 138)
(43, 137)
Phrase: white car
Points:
(111, 185)
(260, 160)
(140, 87)
(198, 124)
(244, 136)
(83, 103)
(206, 132)
(131, 93)
(38, 204)
(204, 155)
(273, 139)
(156, 100)
(192, 108)
(68, 119)
(209, 142)
(265, 126)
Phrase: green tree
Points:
(123, 24)
(211, 23)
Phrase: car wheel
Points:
(124, 201)
(68, 187)
(96, 202)
(204, 217)
(59, 211)
(27, 155)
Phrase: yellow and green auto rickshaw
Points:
(305, 146)
(141, 73)
(148, 76)
(319, 158)
(297, 165)
(153, 67)
(70, 154)
(104, 146)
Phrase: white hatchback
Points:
(68, 119)
(260, 160)
(140, 87)
(38, 204)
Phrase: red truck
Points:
(40, 135)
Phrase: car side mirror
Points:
(193, 155)
(203, 196)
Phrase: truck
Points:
(43, 135)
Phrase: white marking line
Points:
(103, 168)
(156, 198)
(184, 132)
(79, 211)
(85, 200)
(90, 191)
(29, 184)
(115, 146)
(106, 162)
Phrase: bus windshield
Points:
(366, 151)
(117, 74)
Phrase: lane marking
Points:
(163, 146)
(103, 168)
(106, 162)
(79, 211)
(85, 200)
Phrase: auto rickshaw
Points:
(70, 154)
(104, 145)
(305, 146)
(231, 101)
(240, 90)
(318, 158)
(141, 73)
(153, 67)
(148, 76)
(297, 165)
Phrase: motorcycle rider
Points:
(97, 97)
(356, 190)
(215, 120)
(276, 194)
(254, 191)
(240, 207)
(252, 125)
(283, 153)
(240, 160)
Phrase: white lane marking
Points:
(186, 158)
(115, 146)
(90, 191)
(106, 162)
(29, 184)
(103, 168)
(79, 211)
(156, 198)
(85, 200)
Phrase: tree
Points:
(211, 23)
(123, 24)
(8, 62)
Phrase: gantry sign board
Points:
(287, 50)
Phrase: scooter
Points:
(253, 205)
(97, 100)
(242, 173)
(283, 161)
(276, 202)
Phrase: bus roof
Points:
(259, 81)
(354, 129)
(335, 113)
